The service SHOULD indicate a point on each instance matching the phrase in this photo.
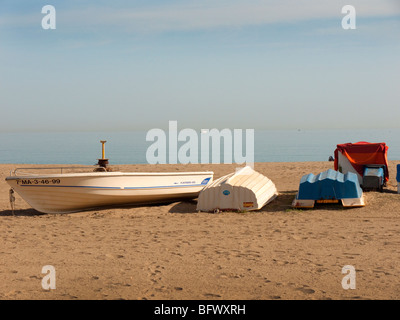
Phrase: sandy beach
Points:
(173, 252)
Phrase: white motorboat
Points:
(66, 191)
(71, 192)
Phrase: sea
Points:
(131, 147)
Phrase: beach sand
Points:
(173, 252)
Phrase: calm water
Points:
(130, 147)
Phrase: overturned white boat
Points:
(243, 190)
(71, 192)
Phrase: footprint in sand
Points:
(212, 295)
(155, 272)
(306, 290)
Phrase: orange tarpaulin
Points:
(363, 153)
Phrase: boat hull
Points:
(66, 193)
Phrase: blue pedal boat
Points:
(329, 187)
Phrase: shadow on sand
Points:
(188, 206)
(21, 213)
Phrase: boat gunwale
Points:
(106, 174)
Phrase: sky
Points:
(136, 65)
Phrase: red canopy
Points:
(362, 153)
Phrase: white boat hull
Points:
(65, 193)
